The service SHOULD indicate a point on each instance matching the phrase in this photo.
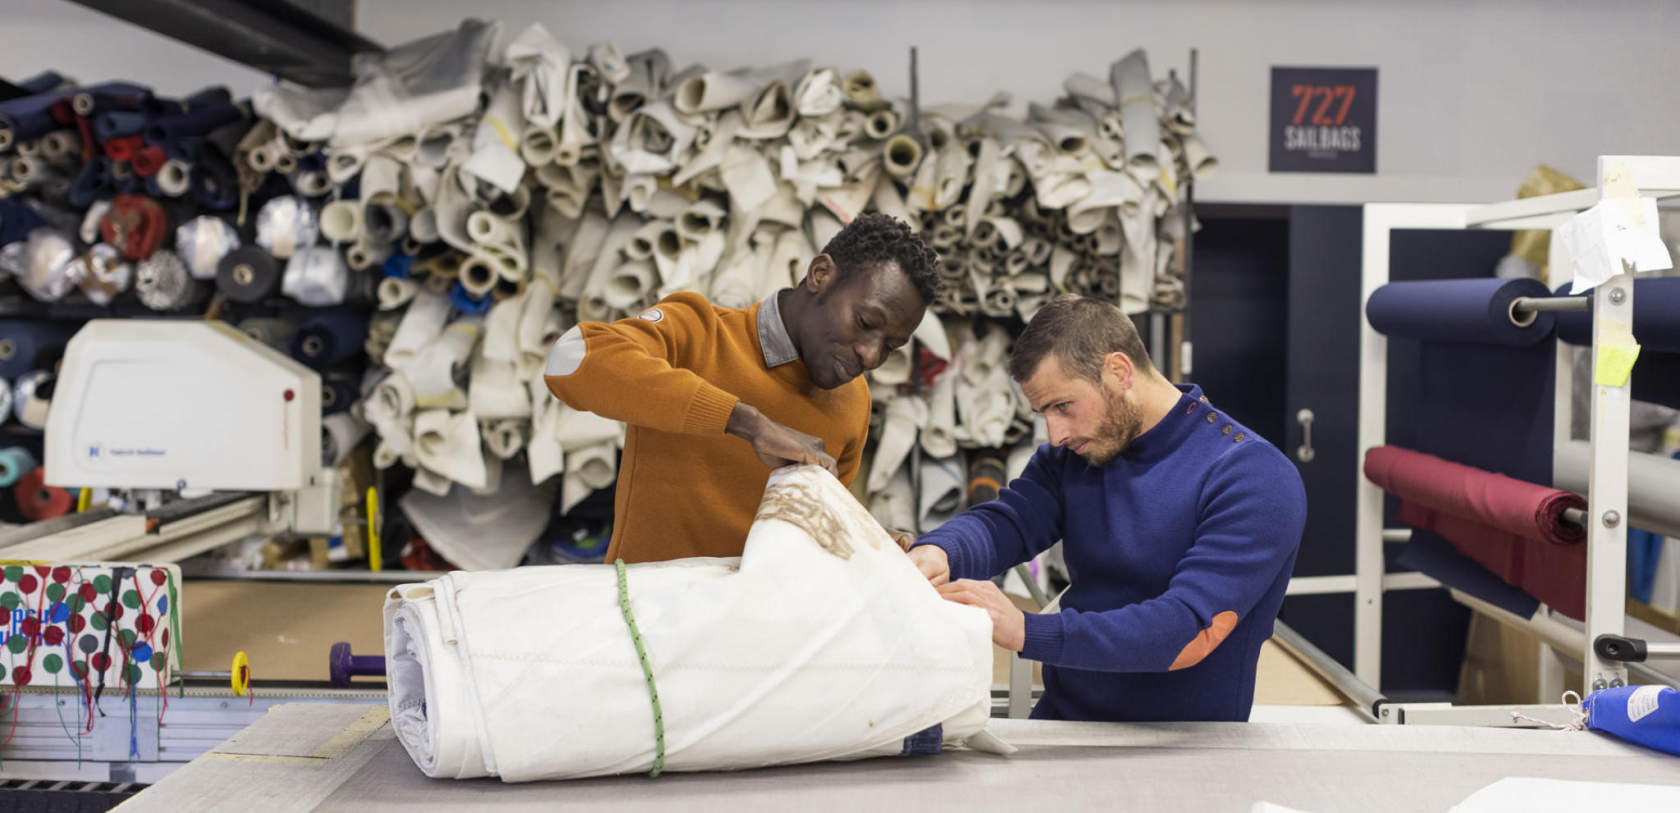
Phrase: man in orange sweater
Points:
(714, 398)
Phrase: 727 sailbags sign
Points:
(1324, 120)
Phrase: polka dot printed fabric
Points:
(97, 625)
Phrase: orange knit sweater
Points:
(673, 375)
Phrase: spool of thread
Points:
(15, 462)
(276, 333)
(329, 338)
(135, 225)
(32, 397)
(248, 275)
(38, 501)
(163, 283)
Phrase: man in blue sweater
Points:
(1179, 528)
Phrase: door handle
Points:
(1304, 453)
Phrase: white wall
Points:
(1472, 93)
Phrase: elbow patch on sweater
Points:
(1205, 641)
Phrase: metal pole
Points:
(1534, 304)
(1364, 697)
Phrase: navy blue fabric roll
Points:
(29, 117)
(329, 338)
(119, 123)
(338, 392)
(92, 182)
(183, 149)
(17, 220)
(196, 121)
(1656, 316)
(26, 345)
(1459, 311)
(42, 82)
(1656, 378)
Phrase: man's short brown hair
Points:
(1081, 331)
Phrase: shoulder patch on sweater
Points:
(652, 315)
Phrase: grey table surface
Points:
(329, 757)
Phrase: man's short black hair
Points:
(874, 239)
(1080, 331)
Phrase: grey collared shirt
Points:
(773, 334)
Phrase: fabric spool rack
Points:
(1607, 515)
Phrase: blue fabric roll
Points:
(183, 149)
(119, 123)
(31, 116)
(92, 182)
(14, 462)
(42, 82)
(466, 304)
(338, 392)
(26, 346)
(215, 182)
(1656, 316)
(1458, 311)
(398, 265)
(329, 338)
(1656, 378)
(196, 121)
(1647, 715)
(926, 742)
(17, 220)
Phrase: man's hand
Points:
(933, 562)
(1009, 624)
(904, 538)
(775, 444)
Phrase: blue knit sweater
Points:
(1179, 552)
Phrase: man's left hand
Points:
(1009, 624)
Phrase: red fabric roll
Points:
(37, 501)
(135, 225)
(1512, 528)
(123, 149)
(148, 160)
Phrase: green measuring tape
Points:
(647, 671)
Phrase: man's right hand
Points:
(933, 562)
(775, 444)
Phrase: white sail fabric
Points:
(822, 641)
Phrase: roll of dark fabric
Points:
(28, 345)
(96, 99)
(1460, 311)
(249, 275)
(1656, 316)
(31, 116)
(119, 124)
(17, 220)
(183, 149)
(196, 121)
(274, 332)
(338, 392)
(329, 338)
(1656, 378)
(215, 181)
(148, 160)
(92, 182)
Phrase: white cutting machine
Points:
(189, 406)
